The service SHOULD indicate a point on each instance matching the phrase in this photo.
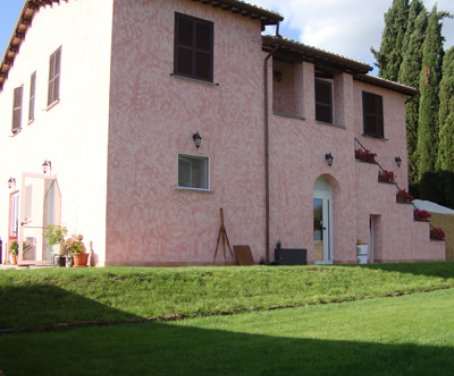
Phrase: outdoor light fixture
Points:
(197, 139)
(11, 183)
(398, 161)
(47, 167)
(329, 158)
(278, 75)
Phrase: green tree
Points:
(432, 58)
(389, 57)
(445, 160)
(409, 73)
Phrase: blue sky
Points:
(346, 27)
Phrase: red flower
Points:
(365, 155)
(403, 196)
(386, 176)
(437, 233)
(421, 215)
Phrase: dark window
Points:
(31, 101)
(193, 171)
(373, 115)
(323, 101)
(54, 77)
(17, 109)
(193, 47)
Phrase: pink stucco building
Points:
(113, 93)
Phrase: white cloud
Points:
(347, 27)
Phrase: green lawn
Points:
(406, 335)
(39, 299)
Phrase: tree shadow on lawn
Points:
(40, 307)
(436, 269)
(177, 349)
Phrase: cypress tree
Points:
(445, 160)
(432, 57)
(409, 73)
(389, 57)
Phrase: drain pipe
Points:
(267, 152)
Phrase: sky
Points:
(346, 27)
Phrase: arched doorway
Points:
(323, 222)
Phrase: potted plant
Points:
(437, 233)
(76, 247)
(365, 155)
(385, 176)
(55, 238)
(403, 197)
(14, 251)
(421, 215)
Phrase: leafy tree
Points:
(409, 73)
(432, 58)
(445, 160)
(389, 57)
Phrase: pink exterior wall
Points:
(115, 136)
(152, 118)
(73, 133)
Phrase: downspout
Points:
(267, 154)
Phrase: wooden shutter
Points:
(17, 109)
(373, 115)
(323, 101)
(193, 47)
(54, 77)
(31, 102)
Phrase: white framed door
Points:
(40, 204)
(323, 223)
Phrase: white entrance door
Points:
(39, 207)
(323, 223)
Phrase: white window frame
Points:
(194, 156)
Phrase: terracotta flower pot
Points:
(14, 259)
(80, 259)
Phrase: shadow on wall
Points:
(169, 349)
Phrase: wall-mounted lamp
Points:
(12, 183)
(329, 159)
(278, 75)
(47, 167)
(197, 139)
(398, 161)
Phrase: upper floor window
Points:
(193, 171)
(373, 115)
(17, 109)
(323, 101)
(193, 47)
(53, 94)
(31, 101)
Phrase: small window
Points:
(31, 101)
(373, 115)
(323, 101)
(54, 77)
(17, 109)
(193, 171)
(193, 47)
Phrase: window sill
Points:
(192, 79)
(200, 190)
(375, 137)
(31, 121)
(52, 105)
(332, 125)
(289, 116)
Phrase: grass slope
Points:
(37, 298)
(407, 335)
